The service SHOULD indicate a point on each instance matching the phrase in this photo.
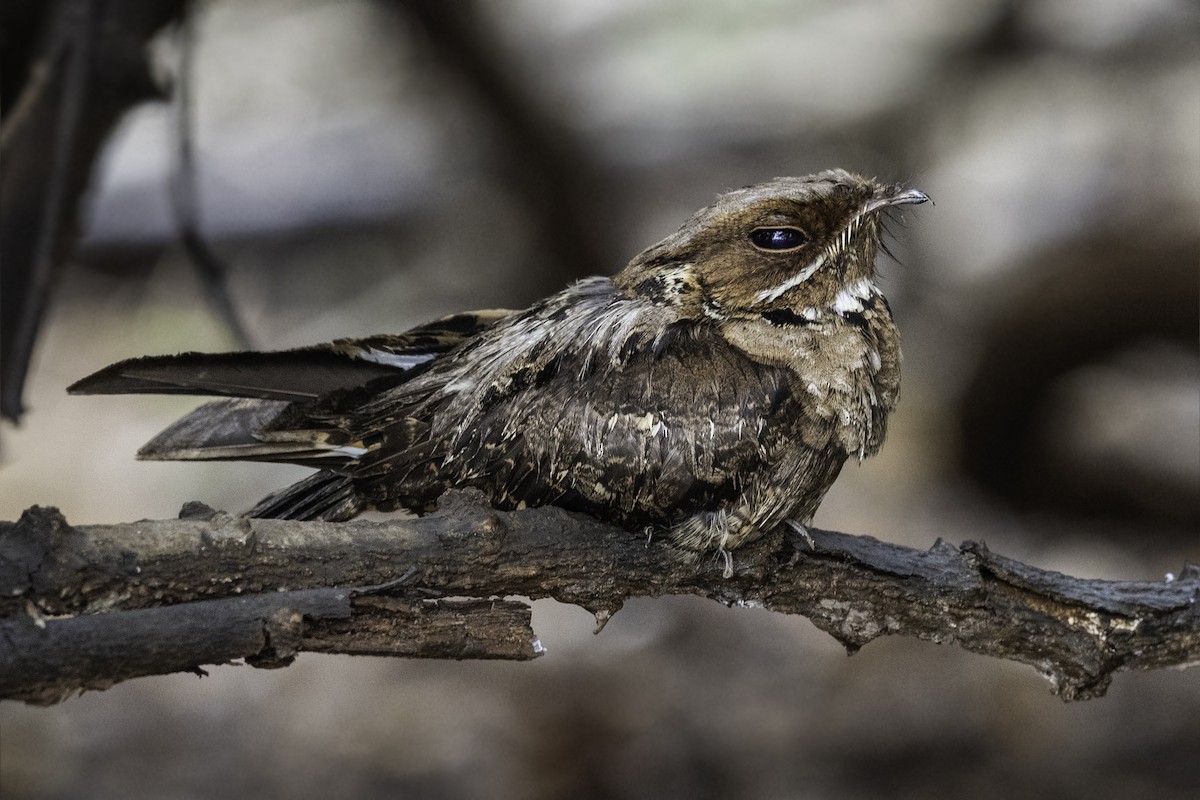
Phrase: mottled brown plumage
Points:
(712, 389)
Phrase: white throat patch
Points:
(851, 298)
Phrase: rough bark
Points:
(169, 595)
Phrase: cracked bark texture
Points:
(84, 607)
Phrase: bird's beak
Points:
(900, 198)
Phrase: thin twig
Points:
(185, 190)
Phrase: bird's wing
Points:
(658, 437)
(592, 399)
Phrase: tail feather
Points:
(215, 430)
(288, 406)
(302, 375)
(239, 430)
(324, 496)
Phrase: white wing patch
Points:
(398, 360)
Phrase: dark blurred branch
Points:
(1052, 323)
(229, 571)
(44, 138)
(89, 70)
(545, 162)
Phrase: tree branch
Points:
(167, 595)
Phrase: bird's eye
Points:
(778, 239)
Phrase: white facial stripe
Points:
(771, 295)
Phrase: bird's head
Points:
(788, 243)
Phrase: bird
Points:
(710, 391)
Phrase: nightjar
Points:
(712, 389)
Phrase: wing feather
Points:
(662, 425)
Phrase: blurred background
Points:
(361, 166)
